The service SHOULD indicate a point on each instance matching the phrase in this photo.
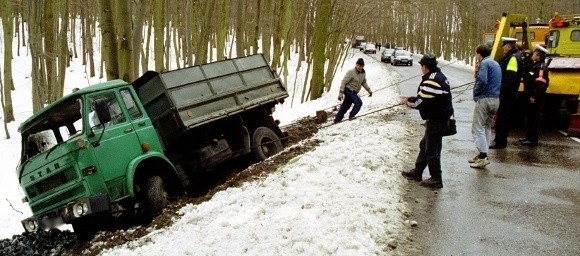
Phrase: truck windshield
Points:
(51, 128)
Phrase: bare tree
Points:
(6, 13)
(109, 39)
(319, 48)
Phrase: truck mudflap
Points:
(80, 208)
(574, 127)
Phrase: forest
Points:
(180, 33)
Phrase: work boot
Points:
(479, 163)
(411, 175)
(432, 183)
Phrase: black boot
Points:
(432, 183)
(411, 175)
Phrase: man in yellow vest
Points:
(511, 73)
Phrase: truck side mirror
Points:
(102, 111)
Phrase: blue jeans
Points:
(350, 97)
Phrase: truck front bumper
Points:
(74, 210)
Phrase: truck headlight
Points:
(31, 225)
(80, 209)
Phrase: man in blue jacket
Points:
(486, 97)
(433, 101)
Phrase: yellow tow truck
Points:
(563, 44)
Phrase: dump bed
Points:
(186, 98)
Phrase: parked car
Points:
(387, 55)
(370, 48)
(402, 57)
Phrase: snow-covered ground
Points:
(342, 198)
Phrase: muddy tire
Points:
(156, 196)
(265, 143)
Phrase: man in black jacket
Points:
(511, 73)
(433, 101)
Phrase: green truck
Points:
(116, 148)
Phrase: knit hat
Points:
(360, 61)
(428, 60)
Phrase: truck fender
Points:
(145, 160)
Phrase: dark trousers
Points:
(502, 121)
(350, 98)
(533, 120)
(430, 149)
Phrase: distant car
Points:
(362, 46)
(387, 55)
(402, 57)
(370, 48)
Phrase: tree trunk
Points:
(109, 39)
(4, 107)
(319, 48)
(35, 44)
(241, 19)
(50, 49)
(158, 33)
(125, 41)
(267, 21)
(222, 27)
(6, 12)
(142, 12)
(62, 51)
(203, 39)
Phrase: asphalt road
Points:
(526, 202)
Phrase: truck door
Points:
(115, 142)
(142, 125)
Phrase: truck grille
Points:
(51, 182)
(60, 199)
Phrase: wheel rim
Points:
(268, 147)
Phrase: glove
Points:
(370, 94)
(341, 96)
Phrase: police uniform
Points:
(535, 84)
(511, 67)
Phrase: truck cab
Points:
(76, 162)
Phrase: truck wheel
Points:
(265, 143)
(156, 196)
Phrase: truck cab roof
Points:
(28, 123)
